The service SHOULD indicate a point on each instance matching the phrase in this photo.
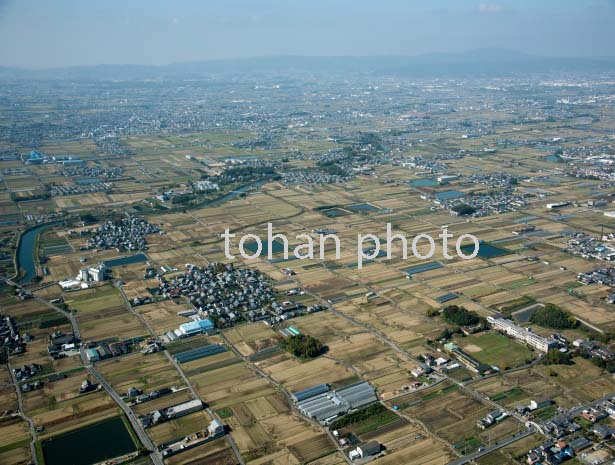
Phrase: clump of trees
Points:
(555, 357)
(551, 316)
(460, 316)
(303, 346)
(463, 209)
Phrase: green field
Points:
(495, 349)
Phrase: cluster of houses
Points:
(604, 276)
(558, 451)
(10, 339)
(593, 350)
(27, 371)
(590, 247)
(433, 362)
(550, 453)
(126, 234)
(313, 177)
(220, 291)
(104, 350)
(487, 204)
(279, 313)
(493, 179)
(111, 172)
(58, 190)
(430, 165)
(33, 386)
(60, 343)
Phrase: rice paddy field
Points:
(379, 318)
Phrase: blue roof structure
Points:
(310, 392)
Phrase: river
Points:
(27, 253)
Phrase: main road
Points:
(488, 449)
(212, 414)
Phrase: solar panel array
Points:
(446, 297)
(200, 352)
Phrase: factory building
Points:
(94, 273)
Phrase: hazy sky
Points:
(44, 33)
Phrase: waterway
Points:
(26, 253)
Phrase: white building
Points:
(99, 273)
(446, 178)
(215, 428)
(523, 334)
(184, 409)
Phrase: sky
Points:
(57, 33)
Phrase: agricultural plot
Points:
(102, 314)
(146, 372)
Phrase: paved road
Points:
(283, 390)
(185, 379)
(463, 387)
(134, 421)
(23, 415)
(487, 450)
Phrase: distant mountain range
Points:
(481, 62)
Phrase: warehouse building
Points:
(184, 409)
(195, 327)
(160, 416)
(365, 450)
